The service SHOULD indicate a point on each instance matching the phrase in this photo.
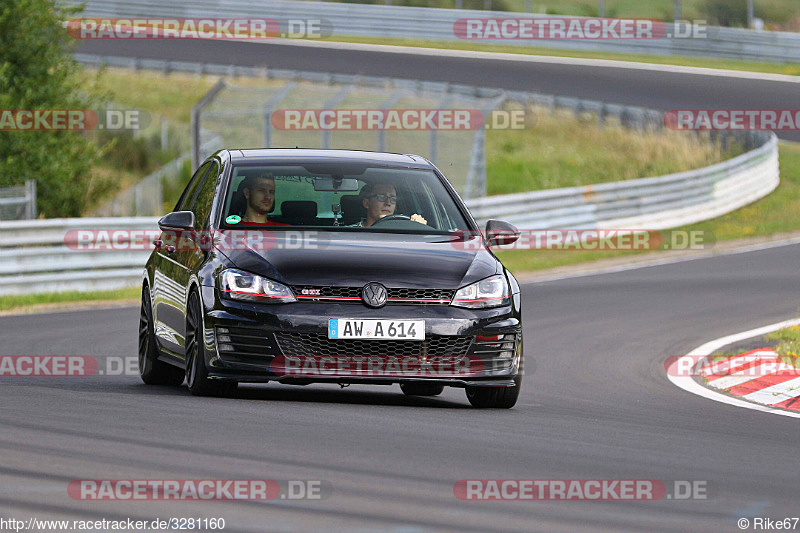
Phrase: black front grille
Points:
(422, 294)
(319, 344)
(320, 293)
(496, 355)
(246, 344)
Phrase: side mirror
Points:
(500, 232)
(177, 220)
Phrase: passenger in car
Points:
(380, 200)
(259, 191)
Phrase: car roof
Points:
(305, 155)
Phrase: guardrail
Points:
(650, 203)
(437, 24)
(38, 256)
(18, 203)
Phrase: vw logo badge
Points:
(374, 294)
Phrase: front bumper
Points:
(250, 342)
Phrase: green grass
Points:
(789, 346)
(26, 301)
(778, 212)
(730, 64)
(791, 334)
(562, 151)
(733, 12)
(171, 95)
(772, 11)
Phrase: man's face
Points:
(376, 208)
(261, 197)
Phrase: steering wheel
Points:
(391, 217)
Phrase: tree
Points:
(37, 71)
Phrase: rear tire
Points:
(153, 371)
(196, 371)
(495, 397)
(421, 389)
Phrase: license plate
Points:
(346, 328)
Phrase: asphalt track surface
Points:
(647, 88)
(596, 405)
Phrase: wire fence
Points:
(19, 202)
(241, 116)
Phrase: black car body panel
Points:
(242, 339)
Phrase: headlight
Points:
(490, 292)
(239, 285)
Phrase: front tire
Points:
(153, 371)
(196, 371)
(495, 397)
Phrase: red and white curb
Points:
(755, 380)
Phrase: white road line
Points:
(776, 393)
(688, 384)
(528, 58)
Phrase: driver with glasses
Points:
(380, 200)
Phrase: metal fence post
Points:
(433, 141)
(196, 112)
(164, 134)
(30, 199)
(388, 104)
(269, 106)
(337, 99)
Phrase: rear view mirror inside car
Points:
(336, 183)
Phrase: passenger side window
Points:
(204, 198)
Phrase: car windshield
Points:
(347, 197)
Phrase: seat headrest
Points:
(352, 209)
(299, 209)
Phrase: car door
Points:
(171, 276)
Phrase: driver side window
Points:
(185, 202)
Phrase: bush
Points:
(725, 12)
(37, 72)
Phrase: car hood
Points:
(339, 259)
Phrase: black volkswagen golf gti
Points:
(328, 266)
